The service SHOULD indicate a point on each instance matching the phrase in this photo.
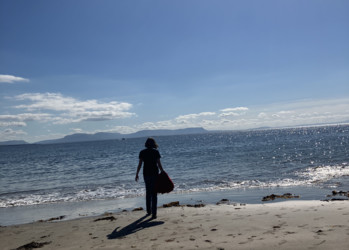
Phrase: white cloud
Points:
(234, 109)
(58, 109)
(194, 116)
(123, 129)
(25, 117)
(77, 130)
(232, 114)
(12, 124)
(12, 79)
(286, 112)
(20, 120)
(277, 115)
(72, 110)
(262, 115)
(10, 134)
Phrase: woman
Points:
(151, 159)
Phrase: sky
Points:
(87, 66)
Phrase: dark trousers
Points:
(151, 194)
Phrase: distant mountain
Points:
(262, 128)
(14, 142)
(80, 137)
(163, 132)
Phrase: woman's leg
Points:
(151, 194)
(148, 193)
(154, 196)
(154, 202)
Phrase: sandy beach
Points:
(280, 225)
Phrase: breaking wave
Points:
(308, 177)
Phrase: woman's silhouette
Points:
(150, 158)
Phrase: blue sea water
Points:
(241, 165)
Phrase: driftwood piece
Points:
(111, 218)
(32, 245)
(275, 196)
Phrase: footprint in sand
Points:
(339, 226)
(263, 213)
(282, 242)
(320, 232)
(170, 240)
(269, 232)
(245, 242)
(319, 218)
(280, 225)
(322, 242)
(304, 225)
(279, 215)
(239, 218)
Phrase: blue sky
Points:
(123, 66)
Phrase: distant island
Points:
(101, 136)
(81, 137)
(14, 142)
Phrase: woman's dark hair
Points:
(150, 143)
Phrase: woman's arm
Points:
(138, 168)
(159, 165)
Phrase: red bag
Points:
(164, 183)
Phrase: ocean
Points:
(87, 178)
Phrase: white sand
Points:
(283, 225)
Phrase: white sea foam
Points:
(99, 193)
(308, 177)
(324, 173)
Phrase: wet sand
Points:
(282, 225)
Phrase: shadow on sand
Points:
(133, 228)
